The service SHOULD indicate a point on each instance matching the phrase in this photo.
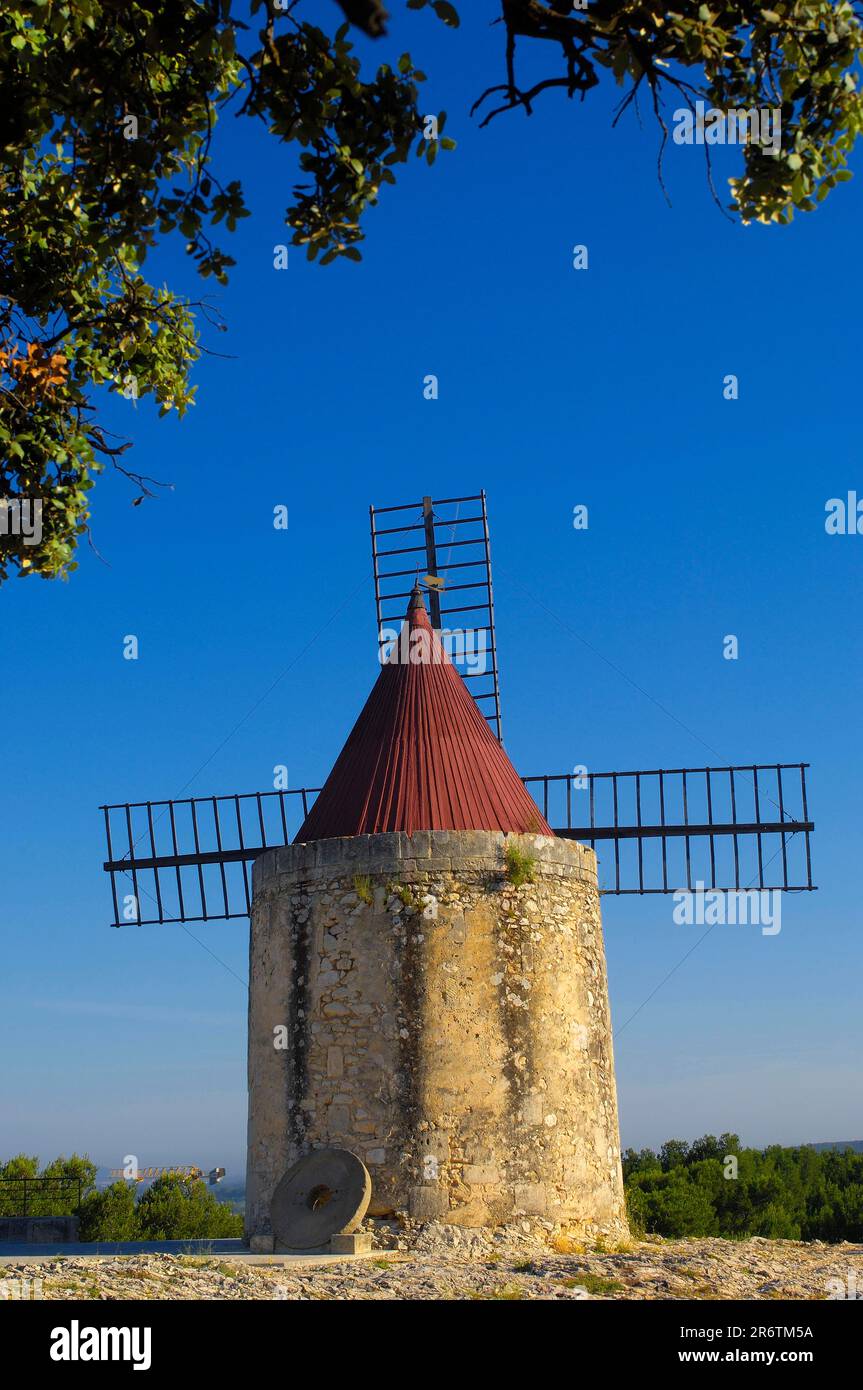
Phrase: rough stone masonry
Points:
(409, 1003)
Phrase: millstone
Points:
(324, 1194)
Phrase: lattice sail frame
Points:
(443, 529)
(713, 815)
(670, 829)
(187, 860)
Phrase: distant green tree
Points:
(60, 1196)
(172, 1208)
(56, 1198)
(636, 1210)
(778, 1193)
(110, 1214)
(21, 1166)
(674, 1206)
(775, 1223)
(708, 1146)
(674, 1152)
(176, 1208)
(852, 1213)
(641, 1161)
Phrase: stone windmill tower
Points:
(428, 984)
(427, 976)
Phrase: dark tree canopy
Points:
(776, 1193)
(108, 117)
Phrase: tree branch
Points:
(367, 15)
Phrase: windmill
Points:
(660, 830)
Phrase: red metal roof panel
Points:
(421, 756)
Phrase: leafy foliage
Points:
(784, 1194)
(109, 1214)
(364, 889)
(799, 56)
(56, 1198)
(171, 1208)
(175, 1208)
(109, 117)
(518, 866)
(106, 148)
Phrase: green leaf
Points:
(447, 12)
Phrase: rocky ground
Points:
(441, 1262)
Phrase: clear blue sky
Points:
(556, 388)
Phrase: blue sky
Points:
(557, 387)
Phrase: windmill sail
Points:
(654, 831)
(446, 542)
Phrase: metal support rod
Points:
(134, 875)
(111, 856)
(375, 572)
(153, 849)
(758, 818)
(242, 847)
(494, 669)
(176, 851)
(710, 822)
(221, 860)
(686, 823)
(734, 818)
(200, 866)
(672, 832)
(431, 561)
(806, 817)
(782, 817)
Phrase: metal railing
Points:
(25, 1196)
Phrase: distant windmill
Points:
(187, 860)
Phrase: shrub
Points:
(363, 889)
(519, 866)
(177, 1208)
(636, 1211)
(109, 1214)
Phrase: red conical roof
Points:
(421, 756)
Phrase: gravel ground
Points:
(437, 1262)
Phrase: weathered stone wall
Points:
(453, 1031)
